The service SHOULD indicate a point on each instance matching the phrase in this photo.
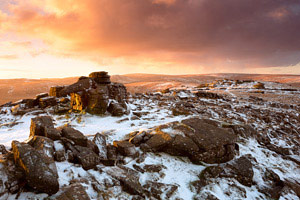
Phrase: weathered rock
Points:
(79, 101)
(73, 192)
(206, 175)
(208, 95)
(39, 96)
(12, 177)
(259, 86)
(100, 77)
(100, 141)
(52, 133)
(294, 185)
(138, 138)
(182, 146)
(3, 149)
(91, 145)
(160, 190)
(40, 171)
(116, 109)
(76, 136)
(43, 144)
(47, 101)
(112, 154)
(59, 151)
(97, 100)
(241, 170)
(153, 168)
(82, 85)
(180, 111)
(157, 142)
(40, 124)
(125, 148)
(216, 145)
(55, 91)
(273, 185)
(62, 108)
(118, 92)
(86, 157)
(129, 179)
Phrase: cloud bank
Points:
(206, 34)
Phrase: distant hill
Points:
(15, 89)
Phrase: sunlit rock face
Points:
(94, 94)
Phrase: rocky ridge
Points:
(216, 141)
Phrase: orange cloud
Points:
(219, 34)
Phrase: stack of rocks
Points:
(95, 94)
(100, 77)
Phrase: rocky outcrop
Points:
(40, 124)
(40, 171)
(73, 192)
(94, 94)
(199, 139)
(74, 135)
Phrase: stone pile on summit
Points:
(95, 94)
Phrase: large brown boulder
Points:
(43, 144)
(40, 124)
(125, 148)
(216, 144)
(201, 140)
(40, 171)
(86, 157)
(97, 100)
(76, 136)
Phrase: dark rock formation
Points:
(125, 148)
(100, 77)
(40, 124)
(40, 171)
(74, 191)
(93, 94)
(76, 136)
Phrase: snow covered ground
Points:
(178, 170)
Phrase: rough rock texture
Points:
(3, 149)
(47, 102)
(97, 100)
(86, 157)
(116, 109)
(76, 136)
(40, 124)
(100, 77)
(40, 171)
(80, 86)
(100, 141)
(52, 133)
(129, 179)
(241, 170)
(93, 94)
(201, 140)
(73, 192)
(125, 148)
(43, 144)
(157, 142)
(59, 151)
(55, 91)
(217, 144)
(160, 190)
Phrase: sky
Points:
(55, 38)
